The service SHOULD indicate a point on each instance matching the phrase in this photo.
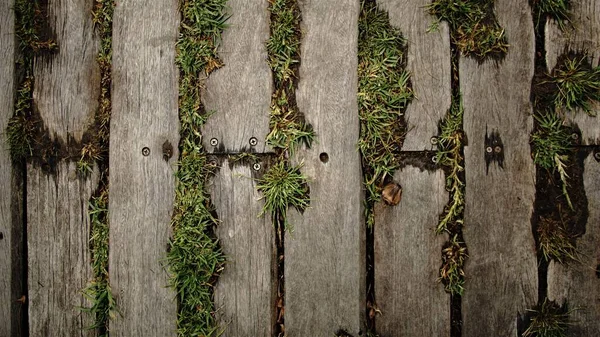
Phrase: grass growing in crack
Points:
(578, 84)
(288, 128)
(555, 242)
(20, 130)
(559, 10)
(474, 28)
(384, 92)
(195, 258)
(454, 256)
(284, 186)
(548, 320)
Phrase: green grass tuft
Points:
(548, 320)
(474, 28)
(555, 241)
(21, 128)
(384, 92)
(578, 84)
(559, 10)
(452, 275)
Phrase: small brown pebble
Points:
(392, 194)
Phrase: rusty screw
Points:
(145, 152)
(498, 149)
(253, 141)
(214, 142)
(574, 136)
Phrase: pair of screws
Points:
(253, 141)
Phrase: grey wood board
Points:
(578, 283)
(239, 93)
(324, 255)
(11, 222)
(245, 293)
(407, 258)
(142, 188)
(501, 273)
(428, 62)
(67, 89)
(59, 268)
(582, 36)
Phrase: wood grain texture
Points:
(240, 92)
(428, 61)
(584, 36)
(501, 273)
(324, 256)
(68, 85)
(142, 188)
(407, 259)
(579, 284)
(11, 223)
(58, 231)
(245, 292)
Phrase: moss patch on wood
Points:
(195, 258)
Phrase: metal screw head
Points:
(256, 166)
(434, 140)
(597, 156)
(434, 159)
(253, 141)
(146, 152)
(498, 149)
(574, 136)
(214, 142)
(489, 149)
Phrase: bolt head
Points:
(489, 149)
(146, 151)
(256, 166)
(498, 149)
(214, 142)
(253, 141)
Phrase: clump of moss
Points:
(195, 258)
(384, 92)
(548, 320)
(474, 28)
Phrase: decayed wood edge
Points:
(324, 255)
(582, 36)
(59, 268)
(578, 283)
(240, 92)
(142, 188)
(12, 258)
(245, 293)
(407, 259)
(501, 273)
(429, 65)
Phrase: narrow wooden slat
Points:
(324, 256)
(11, 223)
(407, 259)
(67, 85)
(428, 61)
(240, 92)
(501, 273)
(579, 284)
(584, 37)
(245, 292)
(142, 187)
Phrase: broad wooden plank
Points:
(501, 273)
(407, 259)
(66, 88)
(579, 284)
(145, 94)
(583, 37)
(428, 61)
(324, 256)
(245, 293)
(11, 222)
(240, 92)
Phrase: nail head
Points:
(489, 149)
(253, 141)
(214, 142)
(256, 166)
(498, 149)
(146, 151)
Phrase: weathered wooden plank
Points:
(11, 222)
(240, 92)
(245, 293)
(324, 256)
(428, 61)
(579, 284)
(501, 274)
(66, 88)
(142, 183)
(407, 259)
(583, 37)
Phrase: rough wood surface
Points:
(324, 256)
(240, 92)
(579, 284)
(142, 188)
(428, 61)
(501, 274)
(11, 222)
(407, 259)
(583, 36)
(245, 292)
(65, 93)
(58, 231)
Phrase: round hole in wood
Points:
(324, 157)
